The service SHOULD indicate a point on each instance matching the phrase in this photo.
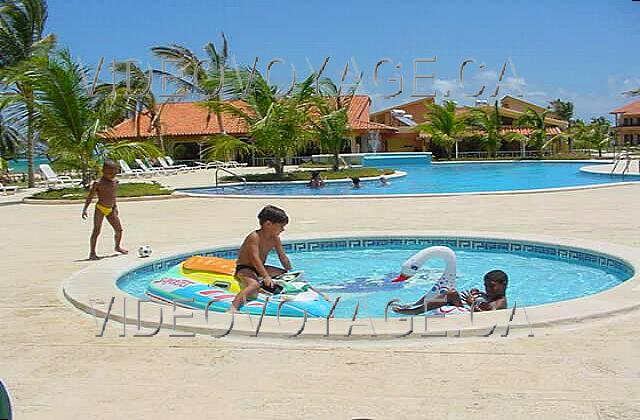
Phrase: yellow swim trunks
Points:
(106, 211)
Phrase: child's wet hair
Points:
(497, 276)
(273, 214)
(110, 164)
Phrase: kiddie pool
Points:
(359, 270)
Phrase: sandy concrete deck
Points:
(55, 367)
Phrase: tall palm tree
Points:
(74, 119)
(489, 124)
(22, 44)
(10, 137)
(563, 109)
(143, 99)
(445, 126)
(277, 125)
(538, 136)
(594, 135)
(332, 122)
(204, 77)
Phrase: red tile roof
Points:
(192, 119)
(632, 108)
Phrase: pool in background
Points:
(424, 178)
(20, 165)
(359, 270)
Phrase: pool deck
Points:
(56, 367)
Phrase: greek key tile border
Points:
(548, 251)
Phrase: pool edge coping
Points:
(79, 289)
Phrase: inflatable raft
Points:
(196, 282)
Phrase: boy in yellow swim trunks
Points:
(105, 188)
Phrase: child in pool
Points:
(316, 180)
(355, 182)
(251, 271)
(106, 189)
(493, 298)
(383, 181)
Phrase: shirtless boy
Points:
(106, 189)
(251, 270)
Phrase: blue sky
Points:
(583, 51)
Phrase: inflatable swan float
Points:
(446, 282)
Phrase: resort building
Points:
(406, 116)
(627, 124)
(186, 128)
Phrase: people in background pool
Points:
(355, 182)
(316, 180)
(493, 298)
(383, 181)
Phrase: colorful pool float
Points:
(212, 271)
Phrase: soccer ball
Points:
(144, 251)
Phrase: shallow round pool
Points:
(360, 270)
(442, 178)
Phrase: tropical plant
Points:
(203, 77)
(10, 137)
(538, 137)
(563, 109)
(138, 86)
(594, 135)
(332, 122)
(75, 119)
(23, 45)
(278, 125)
(444, 125)
(489, 124)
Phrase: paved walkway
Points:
(55, 367)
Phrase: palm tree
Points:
(144, 101)
(22, 45)
(332, 123)
(593, 135)
(9, 140)
(563, 109)
(445, 126)
(490, 124)
(538, 129)
(204, 77)
(74, 119)
(277, 125)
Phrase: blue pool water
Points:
(446, 178)
(20, 165)
(363, 275)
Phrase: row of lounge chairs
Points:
(144, 169)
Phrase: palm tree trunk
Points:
(31, 182)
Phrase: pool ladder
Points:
(234, 175)
(627, 158)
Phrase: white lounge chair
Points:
(151, 170)
(171, 162)
(127, 171)
(5, 190)
(208, 165)
(178, 168)
(234, 164)
(51, 178)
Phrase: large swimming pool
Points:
(361, 270)
(444, 178)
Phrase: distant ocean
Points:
(20, 165)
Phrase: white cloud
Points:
(446, 87)
(486, 75)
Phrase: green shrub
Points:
(129, 189)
